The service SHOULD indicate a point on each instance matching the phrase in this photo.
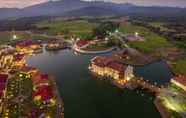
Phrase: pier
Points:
(145, 85)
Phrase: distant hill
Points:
(91, 11)
(83, 8)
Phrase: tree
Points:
(104, 29)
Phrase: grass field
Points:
(7, 37)
(180, 66)
(80, 28)
(152, 40)
(98, 47)
(159, 25)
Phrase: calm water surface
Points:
(85, 97)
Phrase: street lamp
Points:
(14, 37)
(116, 31)
(136, 34)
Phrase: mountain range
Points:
(84, 8)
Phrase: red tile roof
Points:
(102, 61)
(45, 92)
(2, 87)
(117, 66)
(18, 57)
(26, 43)
(108, 62)
(39, 78)
(3, 78)
(1, 94)
(81, 43)
(27, 68)
(181, 79)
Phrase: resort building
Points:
(27, 46)
(19, 59)
(43, 91)
(110, 67)
(6, 61)
(180, 81)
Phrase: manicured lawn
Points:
(179, 67)
(159, 25)
(79, 28)
(152, 40)
(98, 47)
(6, 37)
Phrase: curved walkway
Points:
(93, 52)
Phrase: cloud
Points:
(25, 3)
(19, 3)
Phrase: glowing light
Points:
(116, 31)
(14, 36)
(136, 34)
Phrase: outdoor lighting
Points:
(78, 39)
(106, 39)
(14, 37)
(136, 34)
(116, 31)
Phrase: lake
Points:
(87, 97)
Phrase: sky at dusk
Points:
(25, 3)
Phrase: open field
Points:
(7, 37)
(159, 25)
(179, 67)
(97, 47)
(80, 28)
(152, 40)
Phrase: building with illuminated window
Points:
(110, 67)
(27, 46)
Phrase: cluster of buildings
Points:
(56, 45)
(28, 46)
(42, 89)
(13, 60)
(112, 68)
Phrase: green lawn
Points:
(159, 25)
(6, 37)
(179, 67)
(174, 102)
(152, 40)
(79, 28)
(98, 47)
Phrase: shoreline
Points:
(162, 110)
(60, 103)
(93, 52)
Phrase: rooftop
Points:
(3, 78)
(110, 62)
(181, 79)
(45, 92)
(81, 43)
